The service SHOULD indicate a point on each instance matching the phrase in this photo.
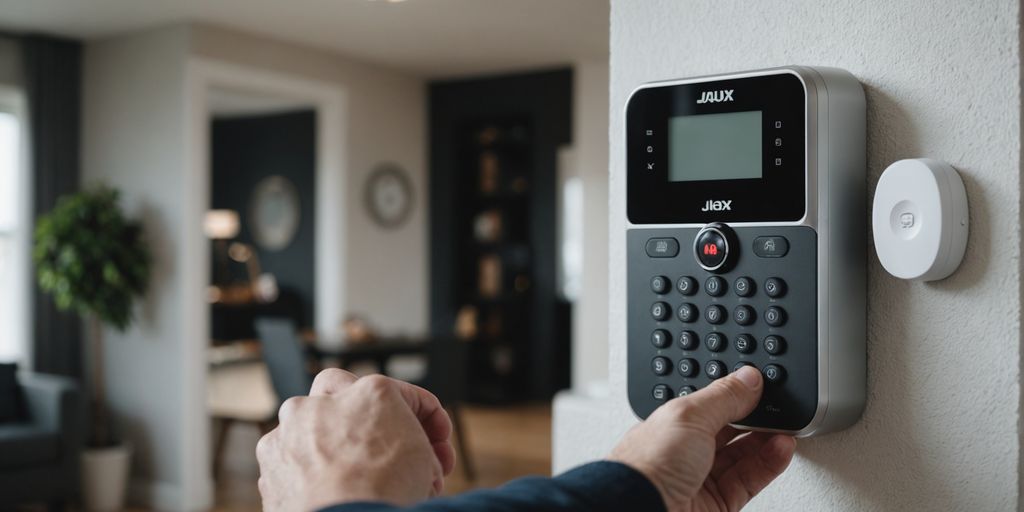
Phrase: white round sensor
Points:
(919, 219)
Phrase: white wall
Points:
(136, 136)
(590, 141)
(134, 139)
(941, 430)
(385, 269)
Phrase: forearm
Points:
(599, 486)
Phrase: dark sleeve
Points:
(598, 486)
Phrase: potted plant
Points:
(92, 261)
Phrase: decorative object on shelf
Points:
(357, 330)
(490, 276)
(487, 226)
(274, 213)
(93, 261)
(389, 195)
(489, 173)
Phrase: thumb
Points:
(725, 401)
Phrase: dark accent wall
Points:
(244, 151)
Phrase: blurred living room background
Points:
(412, 187)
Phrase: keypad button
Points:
(774, 345)
(775, 316)
(715, 370)
(715, 286)
(660, 311)
(662, 247)
(688, 340)
(736, 367)
(774, 373)
(744, 286)
(686, 285)
(660, 284)
(661, 365)
(661, 338)
(687, 367)
(744, 315)
(687, 390)
(771, 246)
(714, 314)
(744, 343)
(774, 287)
(687, 313)
(715, 342)
(661, 393)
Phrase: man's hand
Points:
(695, 459)
(355, 439)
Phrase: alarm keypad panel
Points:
(746, 241)
(688, 326)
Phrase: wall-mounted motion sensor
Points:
(919, 219)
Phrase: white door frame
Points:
(329, 102)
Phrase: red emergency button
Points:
(712, 246)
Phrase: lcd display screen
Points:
(715, 147)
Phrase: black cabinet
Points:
(493, 145)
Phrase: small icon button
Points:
(688, 340)
(661, 338)
(715, 314)
(744, 343)
(774, 345)
(662, 247)
(715, 286)
(778, 124)
(687, 390)
(650, 166)
(736, 367)
(907, 220)
(660, 284)
(744, 315)
(687, 367)
(686, 285)
(687, 313)
(651, 132)
(774, 287)
(659, 311)
(715, 370)
(771, 246)
(778, 141)
(774, 373)
(661, 393)
(775, 316)
(715, 342)
(661, 365)
(743, 286)
(778, 162)
(650, 149)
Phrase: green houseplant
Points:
(93, 261)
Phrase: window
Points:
(14, 236)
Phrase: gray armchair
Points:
(39, 457)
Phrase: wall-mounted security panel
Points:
(746, 242)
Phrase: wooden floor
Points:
(505, 443)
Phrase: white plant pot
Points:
(105, 477)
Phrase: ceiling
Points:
(431, 38)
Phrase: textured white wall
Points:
(386, 269)
(133, 138)
(941, 430)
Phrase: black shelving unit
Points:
(493, 174)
